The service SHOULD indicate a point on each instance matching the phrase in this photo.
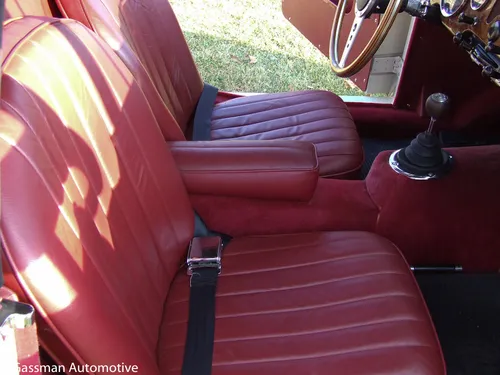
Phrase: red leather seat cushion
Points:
(319, 117)
(319, 303)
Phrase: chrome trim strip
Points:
(395, 166)
(15, 315)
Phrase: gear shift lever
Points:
(424, 159)
(436, 106)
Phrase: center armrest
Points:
(248, 169)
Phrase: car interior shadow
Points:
(90, 230)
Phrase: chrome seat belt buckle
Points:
(204, 252)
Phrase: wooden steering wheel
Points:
(363, 9)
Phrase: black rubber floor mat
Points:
(466, 313)
(372, 147)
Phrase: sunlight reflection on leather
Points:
(81, 117)
(67, 213)
(11, 134)
(114, 41)
(83, 124)
(50, 284)
(21, 8)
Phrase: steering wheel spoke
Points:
(362, 10)
(356, 26)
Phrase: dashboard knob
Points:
(491, 47)
(463, 18)
(487, 72)
(458, 38)
(494, 32)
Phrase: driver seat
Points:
(151, 30)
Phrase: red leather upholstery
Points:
(7, 294)
(161, 108)
(95, 221)
(95, 217)
(152, 31)
(319, 117)
(21, 8)
(318, 303)
(282, 170)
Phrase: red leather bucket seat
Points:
(151, 30)
(95, 221)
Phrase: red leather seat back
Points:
(152, 30)
(95, 218)
(168, 126)
(21, 8)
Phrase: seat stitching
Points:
(321, 155)
(302, 111)
(50, 191)
(309, 284)
(7, 58)
(140, 203)
(105, 282)
(324, 106)
(301, 124)
(335, 353)
(336, 140)
(88, 132)
(237, 102)
(250, 99)
(330, 141)
(84, 126)
(146, 160)
(217, 126)
(269, 131)
(295, 246)
(54, 98)
(339, 280)
(308, 264)
(347, 327)
(167, 82)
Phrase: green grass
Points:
(249, 46)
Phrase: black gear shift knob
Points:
(437, 105)
(424, 158)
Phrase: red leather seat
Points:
(151, 29)
(319, 117)
(95, 221)
(317, 303)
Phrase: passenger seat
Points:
(150, 29)
(95, 222)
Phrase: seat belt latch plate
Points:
(204, 252)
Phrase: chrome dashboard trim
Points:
(480, 4)
(454, 12)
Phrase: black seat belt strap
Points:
(204, 266)
(203, 113)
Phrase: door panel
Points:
(313, 18)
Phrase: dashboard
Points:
(475, 25)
